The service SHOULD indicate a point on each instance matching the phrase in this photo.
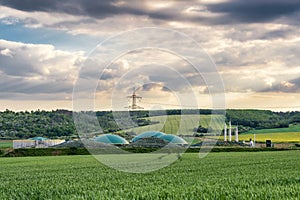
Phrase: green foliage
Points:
(291, 128)
(36, 123)
(45, 152)
(201, 129)
(255, 175)
(293, 117)
(80, 150)
(257, 119)
(59, 123)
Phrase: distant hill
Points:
(59, 123)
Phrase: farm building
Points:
(111, 139)
(36, 142)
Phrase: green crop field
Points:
(5, 144)
(291, 128)
(290, 134)
(179, 124)
(259, 175)
(274, 136)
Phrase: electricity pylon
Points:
(134, 98)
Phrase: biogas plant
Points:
(145, 139)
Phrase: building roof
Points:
(149, 142)
(111, 139)
(147, 134)
(156, 134)
(173, 139)
(38, 138)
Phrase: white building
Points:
(37, 142)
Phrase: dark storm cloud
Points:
(255, 10)
(69, 6)
(21, 85)
(276, 34)
(149, 86)
(96, 9)
(235, 11)
(154, 86)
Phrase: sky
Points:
(248, 53)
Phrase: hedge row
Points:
(83, 151)
(44, 152)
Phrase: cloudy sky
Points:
(46, 46)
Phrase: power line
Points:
(165, 104)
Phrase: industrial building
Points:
(36, 142)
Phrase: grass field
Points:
(291, 129)
(171, 123)
(5, 144)
(260, 175)
(178, 124)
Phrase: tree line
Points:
(59, 123)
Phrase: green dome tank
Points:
(147, 134)
(111, 139)
(173, 139)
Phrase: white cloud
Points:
(36, 19)
(6, 52)
(287, 84)
(36, 69)
(9, 20)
